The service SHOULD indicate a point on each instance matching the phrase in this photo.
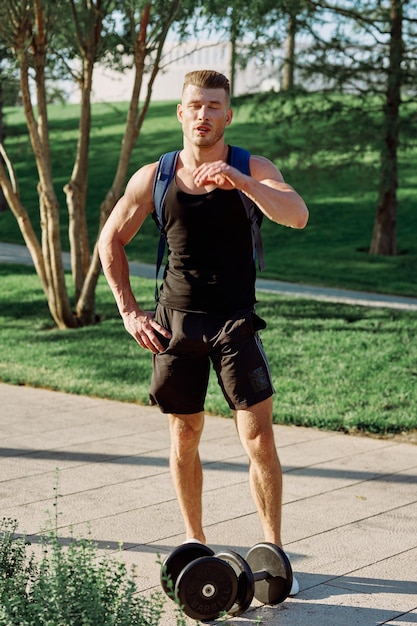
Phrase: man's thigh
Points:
(240, 362)
(180, 373)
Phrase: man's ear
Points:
(229, 117)
(179, 112)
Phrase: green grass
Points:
(330, 251)
(337, 367)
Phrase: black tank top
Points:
(210, 267)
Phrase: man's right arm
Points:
(122, 225)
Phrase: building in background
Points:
(180, 58)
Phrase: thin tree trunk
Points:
(76, 189)
(3, 201)
(24, 224)
(384, 233)
(85, 309)
(288, 66)
(233, 53)
(58, 301)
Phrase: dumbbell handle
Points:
(261, 575)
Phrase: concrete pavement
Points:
(350, 503)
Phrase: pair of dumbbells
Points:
(207, 585)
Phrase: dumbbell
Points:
(265, 574)
(208, 585)
(204, 585)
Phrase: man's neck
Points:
(192, 156)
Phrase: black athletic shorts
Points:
(232, 344)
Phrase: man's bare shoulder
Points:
(262, 168)
(140, 185)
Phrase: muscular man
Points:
(205, 313)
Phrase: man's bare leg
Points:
(254, 426)
(186, 470)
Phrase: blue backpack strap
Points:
(240, 159)
(163, 176)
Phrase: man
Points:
(206, 306)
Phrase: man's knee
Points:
(256, 421)
(185, 433)
(255, 430)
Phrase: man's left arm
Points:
(276, 198)
(265, 186)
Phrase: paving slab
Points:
(349, 513)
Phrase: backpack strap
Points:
(240, 159)
(164, 174)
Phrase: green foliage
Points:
(68, 586)
(328, 129)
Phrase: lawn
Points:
(334, 366)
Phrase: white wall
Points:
(112, 86)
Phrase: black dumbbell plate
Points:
(270, 558)
(177, 560)
(206, 588)
(245, 583)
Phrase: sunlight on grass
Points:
(337, 367)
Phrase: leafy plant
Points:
(69, 586)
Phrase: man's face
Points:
(204, 115)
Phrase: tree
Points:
(371, 51)
(367, 49)
(298, 14)
(384, 234)
(265, 30)
(43, 34)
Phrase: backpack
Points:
(239, 158)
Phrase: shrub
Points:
(69, 586)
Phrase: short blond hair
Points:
(207, 79)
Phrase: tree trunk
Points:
(76, 189)
(288, 66)
(3, 201)
(384, 233)
(57, 296)
(233, 53)
(85, 309)
(25, 226)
